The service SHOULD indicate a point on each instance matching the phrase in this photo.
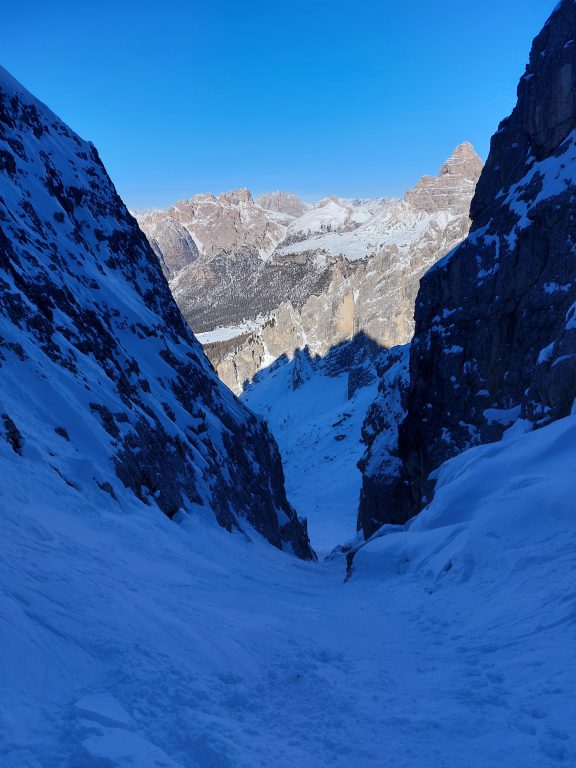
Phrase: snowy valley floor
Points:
(130, 640)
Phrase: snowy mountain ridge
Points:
(131, 638)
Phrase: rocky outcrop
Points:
(380, 464)
(103, 385)
(447, 191)
(495, 337)
(172, 244)
(226, 291)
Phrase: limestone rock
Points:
(282, 202)
(229, 223)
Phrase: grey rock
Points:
(172, 244)
(231, 223)
(282, 202)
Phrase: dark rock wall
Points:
(494, 338)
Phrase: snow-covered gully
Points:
(137, 641)
(154, 612)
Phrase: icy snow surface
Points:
(129, 640)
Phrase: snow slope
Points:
(493, 558)
(130, 641)
(318, 430)
(316, 408)
(360, 231)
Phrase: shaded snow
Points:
(131, 641)
(318, 431)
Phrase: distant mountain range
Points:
(259, 278)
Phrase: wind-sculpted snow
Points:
(496, 547)
(103, 385)
(493, 338)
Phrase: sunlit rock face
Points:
(495, 335)
(103, 384)
(282, 202)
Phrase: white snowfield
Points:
(357, 231)
(130, 640)
(280, 225)
(231, 332)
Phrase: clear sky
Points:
(318, 97)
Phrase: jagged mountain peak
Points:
(267, 281)
(464, 162)
(452, 187)
(495, 338)
(236, 196)
(228, 223)
(464, 149)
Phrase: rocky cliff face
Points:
(172, 244)
(451, 189)
(495, 337)
(342, 267)
(229, 223)
(103, 385)
(282, 202)
(374, 294)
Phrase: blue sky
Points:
(316, 97)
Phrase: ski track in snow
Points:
(130, 640)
